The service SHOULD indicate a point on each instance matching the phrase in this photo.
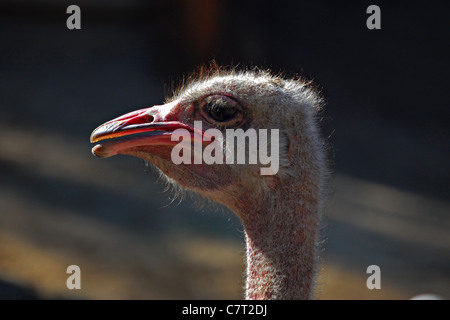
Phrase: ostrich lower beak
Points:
(136, 129)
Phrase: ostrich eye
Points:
(219, 112)
(221, 109)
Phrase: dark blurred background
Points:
(386, 122)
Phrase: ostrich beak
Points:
(141, 128)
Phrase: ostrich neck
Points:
(281, 237)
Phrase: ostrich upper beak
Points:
(145, 127)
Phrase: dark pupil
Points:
(219, 111)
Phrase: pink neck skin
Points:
(281, 246)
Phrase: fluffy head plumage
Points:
(271, 101)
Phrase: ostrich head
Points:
(280, 211)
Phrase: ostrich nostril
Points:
(140, 119)
(150, 118)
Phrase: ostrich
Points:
(281, 212)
